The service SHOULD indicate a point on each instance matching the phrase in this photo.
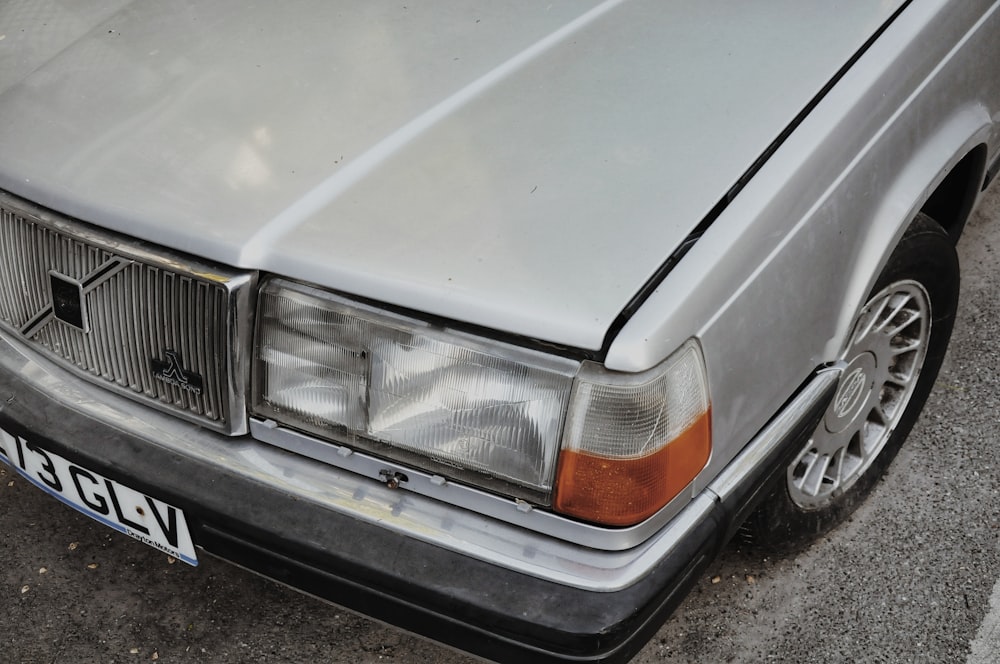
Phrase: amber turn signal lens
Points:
(623, 492)
(634, 441)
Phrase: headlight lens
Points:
(351, 373)
(429, 396)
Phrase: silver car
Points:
(492, 321)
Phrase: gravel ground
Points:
(908, 579)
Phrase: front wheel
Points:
(892, 355)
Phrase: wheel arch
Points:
(942, 178)
(952, 200)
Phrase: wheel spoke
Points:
(813, 481)
(835, 472)
(899, 382)
(914, 345)
(871, 323)
(887, 320)
(879, 415)
(911, 318)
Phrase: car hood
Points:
(521, 166)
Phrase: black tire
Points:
(925, 255)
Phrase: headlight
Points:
(438, 398)
(392, 384)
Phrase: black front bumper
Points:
(462, 601)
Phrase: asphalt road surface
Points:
(908, 579)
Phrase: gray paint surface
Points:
(376, 150)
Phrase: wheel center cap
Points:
(852, 394)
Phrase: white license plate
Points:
(152, 521)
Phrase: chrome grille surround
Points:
(154, 325)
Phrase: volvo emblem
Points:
(172, 372)
(851, 390)
(68, 297)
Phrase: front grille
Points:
(153, 325)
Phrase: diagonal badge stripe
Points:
(90, 281)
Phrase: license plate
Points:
(128, 511)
